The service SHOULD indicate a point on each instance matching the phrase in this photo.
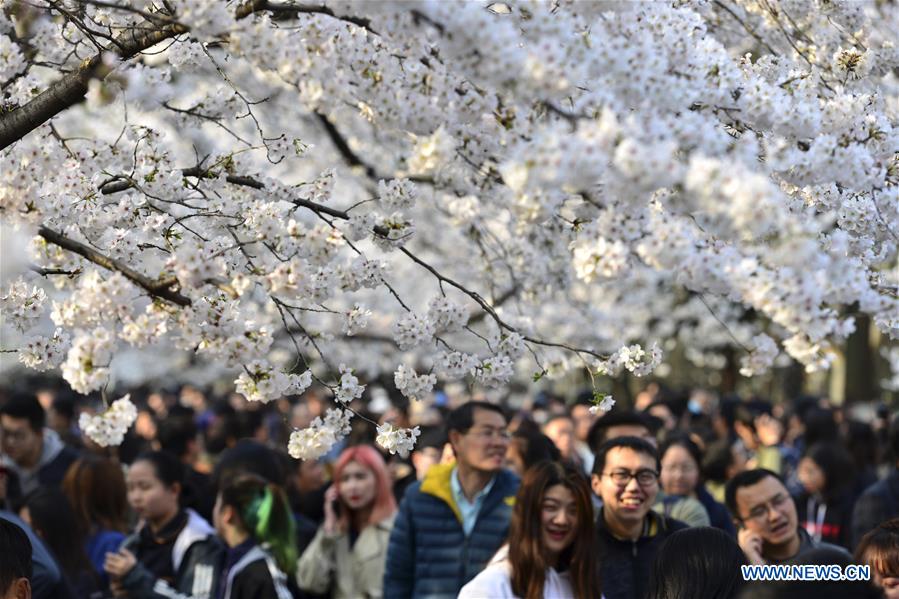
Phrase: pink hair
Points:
(368, 456)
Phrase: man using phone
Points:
(764, 513)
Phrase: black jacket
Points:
(625, 566)
(826, 519)
(196, 561)
(877, 504)
(256, 576)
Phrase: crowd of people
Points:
(667, 500)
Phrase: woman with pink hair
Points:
(348, 553)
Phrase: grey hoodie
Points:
(28, 477)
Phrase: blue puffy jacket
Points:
(429, 555)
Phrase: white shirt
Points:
(494, 582)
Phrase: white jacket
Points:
(494, 582)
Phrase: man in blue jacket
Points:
(45, 580)
(451, 523)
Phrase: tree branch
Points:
(161, 289)
(349, 156)
(72, 88)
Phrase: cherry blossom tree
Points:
(443, 189)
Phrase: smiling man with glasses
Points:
(765, 515)
(628, 532)
(451, 523)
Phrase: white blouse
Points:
(495, 583)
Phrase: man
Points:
(765, 517)
(632, 424)
(628, 532)
(880, 501)
(620, 424)
(177, 434)
(34, 455)
(427, 452)
(583, 420)
(19, 545)
(15, 567)
(560, 430)
(451, 523)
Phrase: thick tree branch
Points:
(161, 289)
(349, 156)
(293, 10)
(72, 88)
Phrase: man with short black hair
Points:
(628, 532)
(560, 430)
(45, 578)
(177, 434)
(451, 523)
(15, 562)
(880, 501)
(35, 455)
(765, 516)
(620, 424)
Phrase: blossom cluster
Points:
(109, 427)
(21, 307)
(412, 385)
(319, 437)
(397, 441)
(634, 358)
(576, 176)
(263, 382)
(348, 387)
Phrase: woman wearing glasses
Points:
(680, 477)
(551, 550)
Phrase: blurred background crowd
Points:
(83, 502)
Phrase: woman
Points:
(95, 487)
(551, 551)
(172, 547)
(824, 505)
(680, 477)
(348, 553)
(254, 519)
(697, 562)
(879, 549)
(50, 515)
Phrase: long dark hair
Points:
(697, 562)
(837, 466)
(527, 555)
(96, 489)
(54, 520)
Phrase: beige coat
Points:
(357, 573)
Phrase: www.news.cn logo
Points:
(831, 572)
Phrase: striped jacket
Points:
(429, 555)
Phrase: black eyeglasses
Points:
(760, 512)
(622, 478)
